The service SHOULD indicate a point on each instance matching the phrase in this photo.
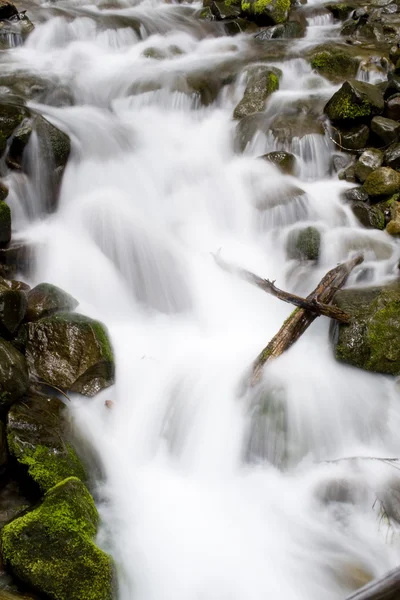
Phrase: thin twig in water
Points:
(43, 382)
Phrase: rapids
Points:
(204, 494)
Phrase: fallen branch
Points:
(384, 588)
(313, 305)
(300, 319)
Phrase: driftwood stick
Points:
(300, 319)
(384, 588)
(333, 312)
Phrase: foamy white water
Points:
(205, 494)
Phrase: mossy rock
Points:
(266, 12)
(5, 224)
(261, 83)
(370, 159)
(10, 117)
(223, 10)
(371, 217)
(51, 548)
(370, 341)
(393, 227)
(72, 352)
(340, 10)
(37, 437)
(285, 161)
(355, 101)
(304, 244)
(46, 299)
(382, 182)
(14, 380)
(334, 63)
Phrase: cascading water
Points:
(205, 493)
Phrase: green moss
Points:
(273, 83)
(276, 10)
(382, 335)
(51, 548)
(5, 212)
(334, 64)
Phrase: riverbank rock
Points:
(304, 244)
(38, 440)
(262, 82)
(370, 159)
(370, 341)
(14, 380)
(266, 12)
(285, 161)
(70, 351)
(356, 100)
(51, 548)
(382, 182)
(46, 299)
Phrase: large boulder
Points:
(51, 548)
(386, 130)
(46, 299)
(14, 380)
(262, 81)
(382, 182)
(370, 341)
(37, 435)
(334, 63)
(370, 159)
(70, 351)
(355, 101)
(266, 12)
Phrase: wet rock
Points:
(289, 30)
(348, 174)
(393, 85)
(206, 14)
(393, 227)
(371, 217)
(17, 257)
(266, 12)
(46, 299)
(13, 306)
(382, 182)
(72, 352)
(5, 224)
(261, 83)
(356, 194)
(51, 548)
(238, 26)
(286, 127)
(10, 117)
(13, 503)
(387, 130)
(224, 10)
(14, 379)
(369, 160)
(352, 138)
(7, 10)
(304, 244)
(340, 10)
(37, 433)
(371, 340)
(18, 143)
(334, 63)
(3, 191)
(340, 161)
(392, 156)
(285, 161)
(393, 107)
(356, 100)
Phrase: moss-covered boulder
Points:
(285, 161)
(334, 63)
(51, 548)
(14, 380)
(370, 159)
(37, 434)
(382, 182)
(46, 299)
(266, 12)
(5, 224)
(304, 244)
(392, 156)
(355, 101)
(386, 130)
(371, 340)
(72, 352)
(261, 83)
(352, 138)
(371, 217)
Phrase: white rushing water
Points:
(206, 494)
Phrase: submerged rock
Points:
(356, 100)
(46, 299)
(370, 341)
(304, 244)
(261, 83)
(14, 380)
(369, 160)
(382, 182)
(266, 12)
(38, 440)
(51, 548)
(72, 352)
(285, 161)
